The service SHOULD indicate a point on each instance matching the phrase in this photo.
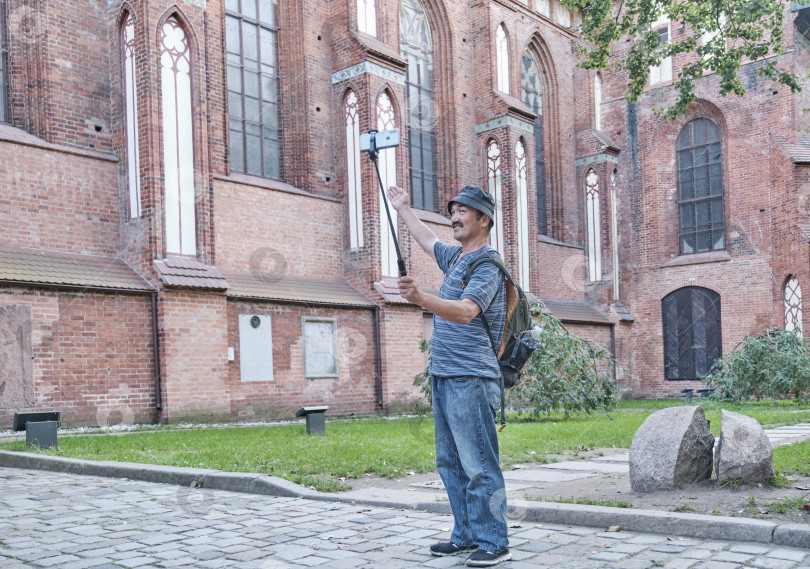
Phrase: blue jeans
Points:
(464, 410)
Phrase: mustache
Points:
(457, 224)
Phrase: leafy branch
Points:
(737, 31)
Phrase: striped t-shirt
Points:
(464, 350)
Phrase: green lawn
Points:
(392, 447)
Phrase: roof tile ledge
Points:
(187, 272)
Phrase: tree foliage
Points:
(737, 31)
(565, 373)
(772, 365)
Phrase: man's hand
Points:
(409, 289)
(398, 197)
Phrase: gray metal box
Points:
(41, 434)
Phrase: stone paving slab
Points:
(245, 528)
(587, 465)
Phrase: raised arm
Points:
(401, 202)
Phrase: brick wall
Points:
(352, 392)
(92, 356)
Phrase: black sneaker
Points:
(449, 548)
(483, 558)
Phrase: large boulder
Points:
(744, 451)
(671, 449)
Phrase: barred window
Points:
(386, 120)
(355, 185)
(594, 226)
(178, 140)
(417, 48)
(367, 17)
(532, 89)
(131, 116)
(662, 72)
(700, 187)
(494, 185)
(563, 15)
(3, 64)
(502, 59)
(521, 177)
(252, 46)
(793, 305)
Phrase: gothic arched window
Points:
(793, 305)
(521, 179)
(252, 46)
(367, 16)
(692, 333)
(386, 120)
(594, 226)
(417, 48)
(354, 190)
(131, 116)
(502, 59)
(700, 187)
(532, 92)
(495, 186)
(178, 139)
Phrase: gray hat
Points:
(476, 198)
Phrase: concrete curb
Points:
(645, 521)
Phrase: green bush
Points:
(772, 365)
(565, 373)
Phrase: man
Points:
(465, 373)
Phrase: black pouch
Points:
(518, 351)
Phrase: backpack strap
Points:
(490, 257)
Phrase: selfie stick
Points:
(372, 153)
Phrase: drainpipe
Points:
(378, 387)
(156, 349)
(613, 347)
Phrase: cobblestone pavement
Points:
(65, 521)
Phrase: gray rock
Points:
(671, 449)
(744, 451)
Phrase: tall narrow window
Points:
(563, 15)
(663, 71)
(597, 102)
(793, 305)
(178, 140)
(254, 132)
(417, 48)
(594, 226)
(502, 59)
(386, 120)
(533, 97)
(692, 333)
(3, 64)
(542, 6)
(353, 171)
(700, 187)
(521, 177)
(367, 16)
(494, 185)
(614, 232)
(131, 114)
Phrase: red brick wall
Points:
(194, 352)
(352, 392)
(92, 356)
(57, 201)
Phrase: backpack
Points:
(517, 342)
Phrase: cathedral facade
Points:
(191, 231)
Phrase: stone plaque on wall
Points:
(16, 351)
